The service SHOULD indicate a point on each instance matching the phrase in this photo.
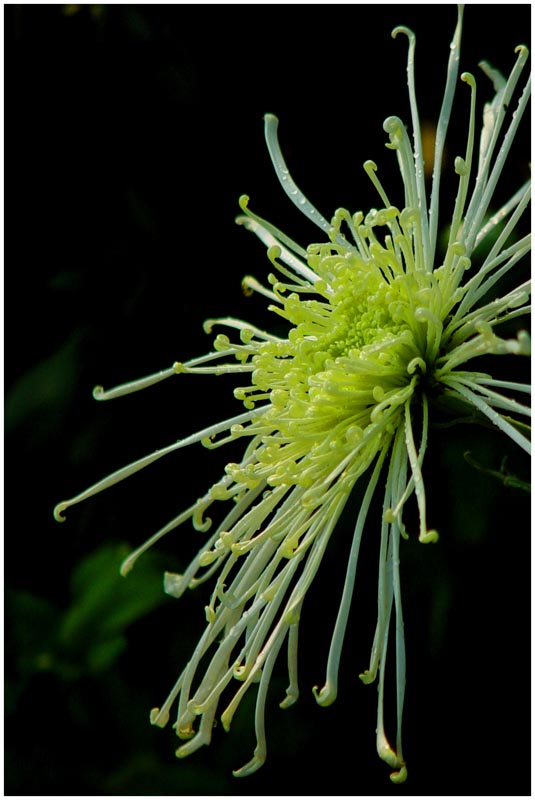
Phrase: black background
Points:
(131, 131)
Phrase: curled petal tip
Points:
(98, 392)
(389, 756)
(402, 29)
(523, 50)
(290, 699)
(226, 720)
(58, 512)
(428, 537)
(252, 766)
(367, 676)
(400, 776)
(126, 566)
(186, 732)
(190, 747)
(326, 695)
(245, 221)
(271, 119)
(468, 78)
(159, 718)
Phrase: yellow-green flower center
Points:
(341, 377)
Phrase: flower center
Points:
(345, 371)
(360, 306)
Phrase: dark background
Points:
(131, 132)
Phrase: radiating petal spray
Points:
(380, 322)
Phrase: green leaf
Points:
(105, 604)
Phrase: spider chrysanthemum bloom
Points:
(381, 322)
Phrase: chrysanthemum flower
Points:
(381, 323)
